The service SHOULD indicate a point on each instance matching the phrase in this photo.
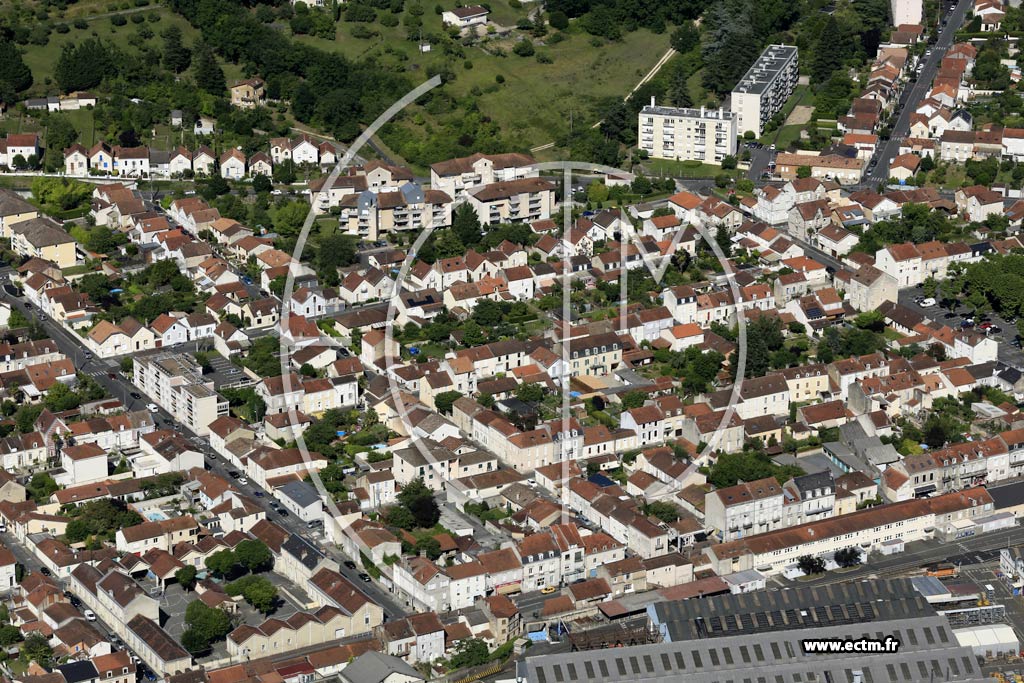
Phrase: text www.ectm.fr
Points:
(838, 645)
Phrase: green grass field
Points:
(683, 169)
(537, 101)
(41, 59)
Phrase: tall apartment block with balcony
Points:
(175, 382)
(524, 200)
(374, 214)
(764, 89)
(706, 135)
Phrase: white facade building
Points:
(706, 135)
(765, 87)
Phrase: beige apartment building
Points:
(513, 201)
(175, 382)
(706, 135)
(371, 215)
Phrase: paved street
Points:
(909, 102)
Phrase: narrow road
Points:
(909, 102)
(104, 15)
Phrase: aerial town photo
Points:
(527, 341)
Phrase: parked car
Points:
(350, 564)
(45, 571)
(234, 475)
(928, 302)
(89, 615)
(136, 395)
(152, 407)
(364, 577)
(243, 481)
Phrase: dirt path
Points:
(800, 115)
(650, 74)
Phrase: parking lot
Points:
(1005, 336)
(226, 375)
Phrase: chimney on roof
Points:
(652, 100)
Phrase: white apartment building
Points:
(950, 516)
(765, 87)
(175, 382)
(906, 12)
(702, 134)
(455, 176)
(745, 509)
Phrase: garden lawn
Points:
(535, 103)
(42, 59)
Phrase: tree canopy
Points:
(416, 507)
(84, 65)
